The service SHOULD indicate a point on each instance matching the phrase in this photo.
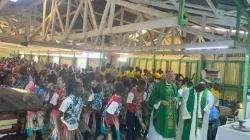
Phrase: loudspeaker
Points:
(24, 44)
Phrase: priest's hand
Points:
(165, 103)
(175, 100)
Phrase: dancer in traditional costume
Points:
(112, 111)
(56, 102)
(93, 115)
(71, 109)
(133, 112)
(35, 119)
(108, 87)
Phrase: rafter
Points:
(111, 15)
(248, 1)
(5, 4)
(188, 10)
(103, 21)
(175, 3)
(143, 9)
(210, 3)
(160, 23)
(74, 18)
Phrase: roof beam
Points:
(189, 10)
(214, 51)
(203, 34)
(36, 3)
(160, 23)
(207, 45)
(5, 4)
(210, 3)
(234, 10)
(175, 3)
(248, 1)
(143, 9)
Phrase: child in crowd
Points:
(112, 111)
(134, 100)
(71, 109)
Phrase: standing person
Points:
(150, 86)
(35, 119)
(216, 92)
(93, 116)
(102, 72)
(55, 104)
(164, 116)
(196, 110)
(23, 78)
(134, 100)
(130, 73)
(71, 109)
(112, 111)
(108, 87)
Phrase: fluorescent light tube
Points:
(207, 48)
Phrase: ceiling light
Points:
(208, 48)
(143, 31)
(14, 0)
(122, 53)
(122, 59)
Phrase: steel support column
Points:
(48, 57)
(200, 68)
(100, 61)
(245, 84)
(74, 60)
(30, 56)
(87, 61)
(237, 33)
(182, 19)
(60, 59)
(153, 62)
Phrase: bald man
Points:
(163, 119)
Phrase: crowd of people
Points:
(115, 103)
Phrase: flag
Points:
(211, 75)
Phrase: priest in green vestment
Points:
(197, 102)
(163, 118)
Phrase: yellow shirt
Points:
(216, 93)
(158, 75)
(103, 73)
(120, 75)
(131, 74)
(144, 77)
(108, 70)
(184, 86)
(136, 73)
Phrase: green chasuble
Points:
(165, 117)
(190, 107)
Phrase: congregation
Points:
(112, 103)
